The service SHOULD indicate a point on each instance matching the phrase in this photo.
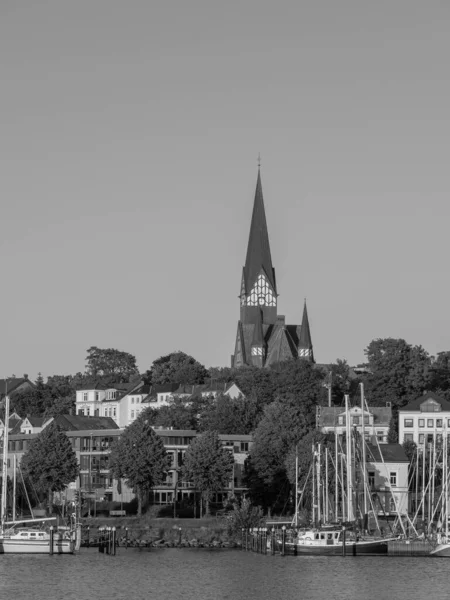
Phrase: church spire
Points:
(258, 249)
(305, 347)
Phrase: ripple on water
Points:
(173, 574)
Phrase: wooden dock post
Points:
(52, 536)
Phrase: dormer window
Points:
(430, 405)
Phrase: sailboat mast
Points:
(5, 463)
(445, 474)
(363, 442)
(296, 485)
(319, 485)
(349, 460)
(326, 485)
(314, 487)
(336, 467)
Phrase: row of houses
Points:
(124, 402)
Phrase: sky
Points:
(130, 133)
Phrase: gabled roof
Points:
(391, 453)
(415, 404)
(35, 421)
(258, 249)
(81, 423)
(280, 346)
(9, 384)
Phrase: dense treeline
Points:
(278, 406)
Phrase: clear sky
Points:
(129, 136)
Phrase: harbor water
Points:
(200, 574)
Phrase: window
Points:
(448, 422)
(132, 399)
(97, 396)
(355, 420)
(257, 351)
(409, 437)
(244, 447)
(430, 422)
(421, 422)
(421, 438)
(114, 411)
(341, 420)
(438, 422)
(85, 396)
(371, 478)
(132, 414)
(408, 422)
(366, 419)
(88, 411)
(106, 412)
(393, 478)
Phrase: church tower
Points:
(258, 287)
(263, 338)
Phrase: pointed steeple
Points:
(258, 249)
(305, 347)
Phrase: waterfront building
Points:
(91, 439)
(387, 478)
(263, 338)
(423, 419)
(333, 419)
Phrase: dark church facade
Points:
(263, 338)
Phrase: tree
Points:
(50, 462)
(208, 465)
(116, 365)
(243, 516)
(176, 367)
(140, 458)
(231, 415)
(399, 372)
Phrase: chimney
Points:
(25, 375)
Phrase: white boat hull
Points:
(35, 547)
(441, 550)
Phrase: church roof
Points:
(305, 340)
(281, 346)
(258, 249)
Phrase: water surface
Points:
(200, 574)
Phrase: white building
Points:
(121, 401)
(423, 418)
(387, 472)
(333, 419)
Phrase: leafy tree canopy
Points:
(176, 367)
(140, 458)
(109, 362)
(208, 465)
(399, 372)
(231, 415)
(51, 463)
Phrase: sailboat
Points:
(332, 539)
(443, 540)
(23, 536)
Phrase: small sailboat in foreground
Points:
(21, 537)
